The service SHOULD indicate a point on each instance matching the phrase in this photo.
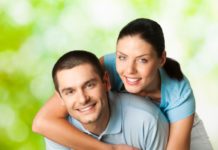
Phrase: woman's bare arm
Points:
(50, 122)
(180, 134)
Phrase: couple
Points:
(140, 67)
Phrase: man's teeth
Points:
(86, 108)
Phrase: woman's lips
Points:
(132, 81)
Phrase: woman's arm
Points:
(180, 134)
(50, 122)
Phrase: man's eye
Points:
(143, 60)
(69, 92)
(90, 85)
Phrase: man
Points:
(115, 118)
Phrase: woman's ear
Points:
(106, 80)
(163, 58)
(59, 97)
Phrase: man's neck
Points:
(100, 125)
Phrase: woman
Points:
(140, 67)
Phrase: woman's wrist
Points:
(106, 146)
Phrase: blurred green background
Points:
(35, 33)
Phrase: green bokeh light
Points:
(35, 33)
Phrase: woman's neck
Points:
(154, 90)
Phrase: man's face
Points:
(83, 93)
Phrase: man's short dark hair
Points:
(73, 59)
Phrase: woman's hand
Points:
(123, 147)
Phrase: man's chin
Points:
(88, 120)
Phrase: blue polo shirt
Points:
(133, 121)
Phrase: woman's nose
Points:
(130, 67)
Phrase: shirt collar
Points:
(115, 123)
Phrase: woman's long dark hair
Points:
(151, 32)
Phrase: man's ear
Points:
(106, 80)
(59, 97)
(163, 58)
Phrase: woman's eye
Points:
(121, 57)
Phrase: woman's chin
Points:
(132, 90)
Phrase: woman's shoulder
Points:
(174, 87)
(109, 61)
(177, 98)
(110, 56)
(110, 67)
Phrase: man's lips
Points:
(86, 108)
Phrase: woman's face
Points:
(137, 64)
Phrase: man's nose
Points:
(82, 97)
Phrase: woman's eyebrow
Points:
(121, 53)
(142, 55)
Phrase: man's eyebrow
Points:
(84, 84)
(91, 80)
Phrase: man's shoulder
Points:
(142, 120)
(137, 106)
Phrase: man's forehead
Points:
(83, 69)
(77, 76)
